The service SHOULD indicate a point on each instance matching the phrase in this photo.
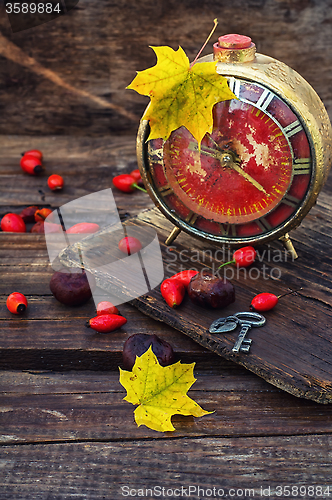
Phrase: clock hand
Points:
(226, 158)
(208, 151)
(248, 177)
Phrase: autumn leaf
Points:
(159, 391)
(181, 94)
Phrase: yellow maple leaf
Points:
(181, 94)
(159, 391)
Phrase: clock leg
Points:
(173, 234)
(286, 241)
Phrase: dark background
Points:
(51, 76)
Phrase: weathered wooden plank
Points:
(36, 192)
(87, 89)
(71, 148)
(69, 333)
(242, 467)
(227, 377)
(51, 335)
(48, 408)
(86, 164)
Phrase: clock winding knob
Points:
(234, 48)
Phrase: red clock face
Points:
(250, 175)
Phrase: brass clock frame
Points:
(296, 92)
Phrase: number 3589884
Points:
(32, 8)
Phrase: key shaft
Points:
(238, 344)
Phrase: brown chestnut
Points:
(139, 343)
(72, 289)
(208, 290)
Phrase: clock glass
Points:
(250, 175)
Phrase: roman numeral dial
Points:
(249, 175)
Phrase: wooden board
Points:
(87, 405)
(69, 76)
(293, 351)
(99, 470)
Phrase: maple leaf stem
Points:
(205, 43)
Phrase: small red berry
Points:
(184, 277)
(106, 308)
(83, 227)
(55, 182)
(106, 323)
(42, 213)
(264, 302)
(130, 245)
(242, 257)
(17, 303)
(38, 227)
(13, 223)
(173, 292)
(31, 165)
(34, 152)
(28, 214)
(136, 174)
(126, 183)
(245, 256)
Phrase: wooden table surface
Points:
(66, 431)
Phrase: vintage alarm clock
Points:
(260, 170)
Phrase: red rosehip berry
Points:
(184, 277)
(13, 223)
(34, 152)
(55, 182)
(83, 227)
(17, 303)
(106, 323)
(130, 245)
(173, 292)
(264, 302)
(126, 183)
(38, 227)
(106, 307)
(136, 174)
(242, 257)
(267, 301)
(31, 165)
(245, 256)
(42, 213)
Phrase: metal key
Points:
(247, 320)
(223, 325)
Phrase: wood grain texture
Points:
(91, 471)
(69, 76)
(87, 406)
(70, 435)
